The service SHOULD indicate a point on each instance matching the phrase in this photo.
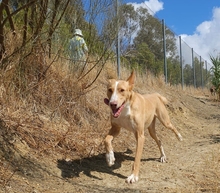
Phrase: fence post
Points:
(206, 76)
(118, 42)
(194, 69)
(181, 61)
(200, 60)
(164, 50)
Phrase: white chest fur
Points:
(124, 120)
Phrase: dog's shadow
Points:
(73, 168)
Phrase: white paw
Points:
(110, 158)
(131, 179)
(163, 159)
(180, 137)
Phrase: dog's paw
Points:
(131, 179)
(163, 159)
(180, 137)
(110, 158)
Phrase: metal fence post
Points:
(200, 60)
(194, 69)
(118, 42)
(164, 50)
(206, 71)
(181, 61)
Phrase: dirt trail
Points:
(193, 164)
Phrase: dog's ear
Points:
(131, 80)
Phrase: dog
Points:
(212, 90)
(134, 112)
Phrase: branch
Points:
(19, 9)
(10, 19)
(62, 14)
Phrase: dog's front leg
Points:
(110, 158)
(136, 166)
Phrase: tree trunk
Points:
(2, 45)
(51, 30)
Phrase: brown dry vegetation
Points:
(51, 137)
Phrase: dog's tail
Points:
(163, 99)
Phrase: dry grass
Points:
(57, 115)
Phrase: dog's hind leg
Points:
(113, 132)
(171, 127)
(162, 115)
(153, 134)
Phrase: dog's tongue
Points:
(106, 101)
(117, 112)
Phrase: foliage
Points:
(173, 71)
(196, 74)
(216, 72)
(41, 30)
(150, 32)
(142, 41)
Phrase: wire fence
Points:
(186, 67)
(196, 70)
(158, 49)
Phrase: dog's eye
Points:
(110, 90)
(122, 90)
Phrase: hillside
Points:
(57, 147)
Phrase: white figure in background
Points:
(78, 49)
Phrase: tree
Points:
(4, 6)
(150, 32)
(188, 75)
(198, 72)
(173, 71)
(143, 59)
(142, 41)
(129, 25)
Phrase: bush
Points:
(216, 73)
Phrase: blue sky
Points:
(198, 22)
(183, 16)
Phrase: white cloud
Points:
(206, 39)
(153, 6)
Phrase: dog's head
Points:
(119, 92)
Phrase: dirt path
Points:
(193, 165)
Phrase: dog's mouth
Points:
(115, 111)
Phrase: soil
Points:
(193, 165)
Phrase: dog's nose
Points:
(113, 104)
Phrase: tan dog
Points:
(135, 112)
